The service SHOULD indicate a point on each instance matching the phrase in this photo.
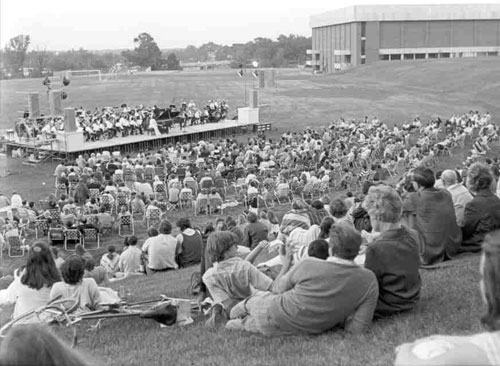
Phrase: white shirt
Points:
(161, 251)
(16, 200)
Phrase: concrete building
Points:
(360, 35)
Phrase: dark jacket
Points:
(481, 216)
(436, 222)
(254, 233)
(394, 258)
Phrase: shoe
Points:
(217, 316)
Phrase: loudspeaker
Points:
(254, 99)
(34, 105)
(262, 79)
(69, 120)
(55, 102)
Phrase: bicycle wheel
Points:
(56, 311)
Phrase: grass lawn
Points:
(394, 92)
(450, 303)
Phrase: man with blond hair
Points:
(459, 194)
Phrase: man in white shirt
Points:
(161, 249)
(130, 260)
(459, 194)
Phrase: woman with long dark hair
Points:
(31, 288)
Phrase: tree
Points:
(172, 62)
(40, 59)
(146, 53)
(16, 51)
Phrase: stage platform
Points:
(71, 144)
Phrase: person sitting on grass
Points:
(45, 348)
(470, 350)
(32, 284)
(394, 255)
(84, 290)
(231, 279)
(314, 295)
(130, 260)
(318, 249)
(189, 244)
(110, 261)
(161, 249)
(98, 273)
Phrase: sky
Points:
(112, 24)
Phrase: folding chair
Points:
(41, 226)
(201, 203)
(73, 236)
(94, 193)
(15, 244)
(185, 199)
(159, 189)
(153, 217)
(121, 200)
(126, 221)
(216, 203)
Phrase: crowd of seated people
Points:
(421, 218)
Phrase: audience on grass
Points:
(313, 295)
(315, 281)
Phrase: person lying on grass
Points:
(314, 295)
(477, 349)
(231, 279)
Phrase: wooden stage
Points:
(72, 144)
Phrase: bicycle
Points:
(65, 313)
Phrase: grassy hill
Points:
(392, 91)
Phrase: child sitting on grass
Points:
(83, 290)
(231, 279)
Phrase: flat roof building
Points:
(365, 34)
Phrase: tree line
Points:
(17, 59)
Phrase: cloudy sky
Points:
(112, 24)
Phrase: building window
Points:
(409, 56)
(433, 55)
(444, 55)
(363, 29)
(493, 53)
(396, 56)
(363, 61)
(347, 59)
(363, 47)
(384, 57)
(420, 56)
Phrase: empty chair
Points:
(125, 221)
(16, 246)
(71, 236)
